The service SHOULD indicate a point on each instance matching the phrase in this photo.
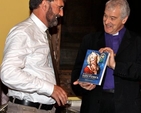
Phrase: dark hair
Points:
(33, 4)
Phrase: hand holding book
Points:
(85, 85)
(111, 63)
(94, 66)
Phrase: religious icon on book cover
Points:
(94, 67)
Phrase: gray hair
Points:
(123, 4)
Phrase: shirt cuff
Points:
(47, 89)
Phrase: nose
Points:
(106, 20)
(61, 12)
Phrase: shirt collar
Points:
(116, 34)
(121, 32)
(38, 22)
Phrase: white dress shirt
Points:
(27, 67)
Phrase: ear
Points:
(44, 5)
(124, 20)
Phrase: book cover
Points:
(94, 66)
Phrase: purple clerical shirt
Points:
(112, 41)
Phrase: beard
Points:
(51, 18)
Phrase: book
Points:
(94, 66)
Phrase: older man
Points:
(120, 91)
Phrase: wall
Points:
(80, 18)
(11, 12)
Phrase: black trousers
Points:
(98, 103)
(106, 104)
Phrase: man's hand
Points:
(59, 95)
(111, 62)
(85, 85)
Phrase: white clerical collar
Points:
(115, 34)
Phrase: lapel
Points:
(125, 42)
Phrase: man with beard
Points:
(120, 89)
(27, 68)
